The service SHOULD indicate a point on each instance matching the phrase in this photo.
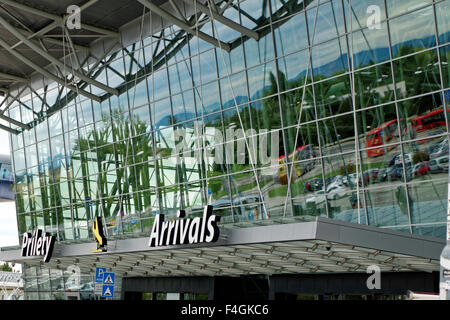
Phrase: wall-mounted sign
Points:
(109, 278)
(185, 231)
(97, 229)
(38, 244)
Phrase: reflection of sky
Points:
(416, 25)
(259, 51)
(396, 7)
(291, 35)
(326, 53)
(325, 26)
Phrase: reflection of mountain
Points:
(179, 117)
(239, 99)
(363, 58)
(367, 57)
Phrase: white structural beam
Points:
(52, 59)
(12, 77)
(31, 35)
(13, 131)
(229, 23)
(56, 18)
(183, 25)
(47, 73)
(44, 30)
(15, 122)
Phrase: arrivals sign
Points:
(38, 244)
(185, 231)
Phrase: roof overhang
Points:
(37, 47)
(322, 246)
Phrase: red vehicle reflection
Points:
(430, 120)
(379, 136)
(421, 169)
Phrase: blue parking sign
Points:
(99, 273)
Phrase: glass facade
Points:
(337, 110)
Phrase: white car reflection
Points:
(334, 192)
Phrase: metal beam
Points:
(51, 40)
(29, 33)
(13, 131)
(229, 23)
(56, 18)
(183, 25)
(47, 73)
(53, 60)
(44, 30)
(14, 122)
(12, 77)
(13, 99)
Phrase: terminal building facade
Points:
(316, 130)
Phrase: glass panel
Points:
(435, 230)
(387, 206)
(376, 84)
(426, 117)
(380, 128)
(307, 185)
(329, 24)
(337, 134)
(260, 80)
(417, 74)
(292, 71)
(443, 22)
(445, 60)
(260, 51)
(364, 14)
(294, 109)
(412, 32)
(284, 31)
(396, 7)
(429, 200)
(328, 59)
(370, 46)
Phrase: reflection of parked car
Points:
(391, 161)
(370, 175)
(439, 151)
(336, 192)
(408, 159)
(87, 291)
(317, 198)
(314, 184)
(397, 172)
(251, 207)
(335, 182)
(421, 169)
(439, 165)
(382, 174)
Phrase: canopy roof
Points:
(38, 45)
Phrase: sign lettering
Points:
(185, 231)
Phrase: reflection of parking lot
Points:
(426, 159)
